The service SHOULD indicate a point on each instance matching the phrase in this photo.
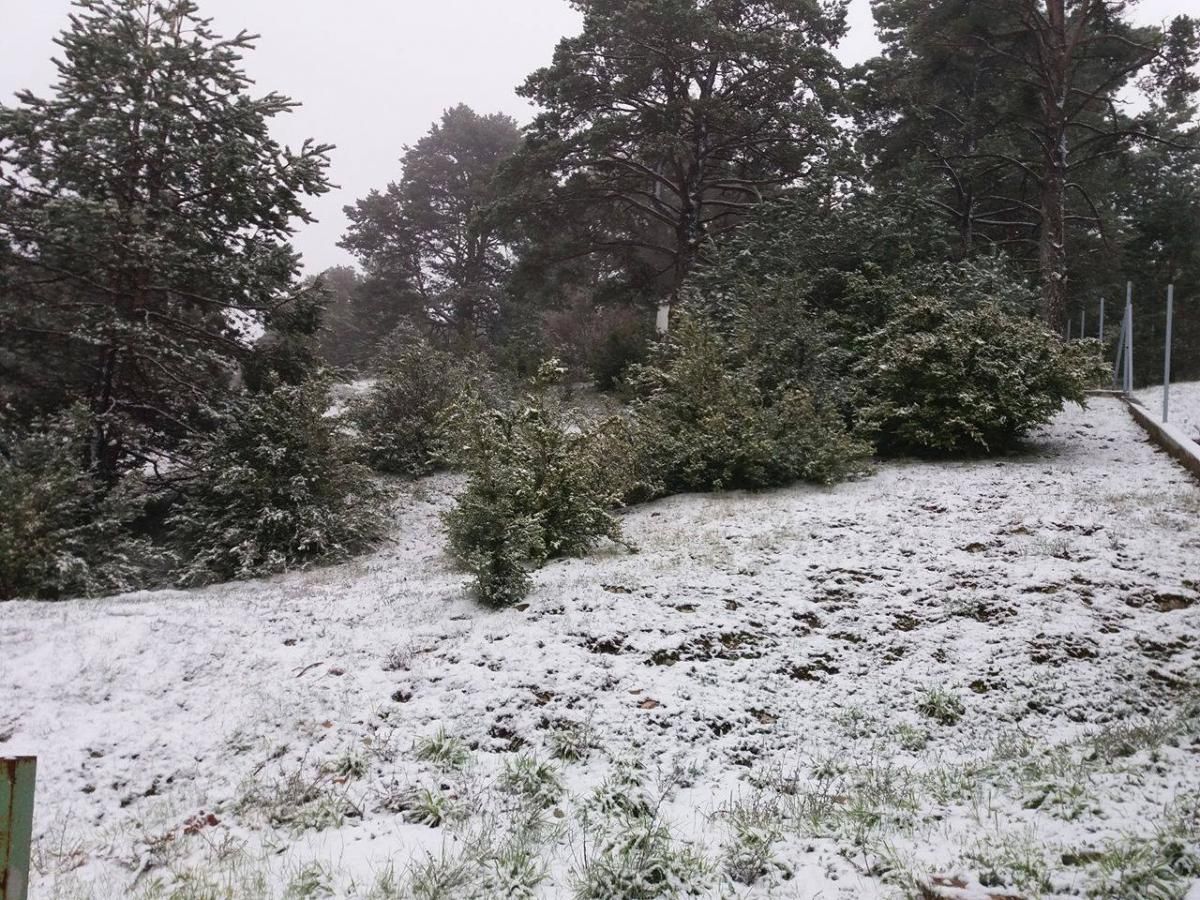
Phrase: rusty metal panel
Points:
(17, 779)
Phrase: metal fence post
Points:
(1167, 353)
(1129, 337)
(1102, 320)
(17, 778)
(1120, 358)
(1083, 322)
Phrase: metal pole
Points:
(1167, 355)
(1068, 329)
(1102, 320)
(1129, 337)
(17, 778)
(1083, 322)
(1120, 355)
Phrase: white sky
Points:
(372, 75)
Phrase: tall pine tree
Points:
(1015, 108)
(430, 237)
(145, 210)
(666, 122)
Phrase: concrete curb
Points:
(1185, 450)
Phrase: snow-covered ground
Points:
(1184, 408)
(971, 679)
(345, 393)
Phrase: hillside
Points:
(972, 678)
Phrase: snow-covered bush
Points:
(941, 378)
(276, 486)
(706, 422)
(401, 420)
(537, 489)
(802, 282)
(63, 532)
(640, 860)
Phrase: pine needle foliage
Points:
(401, 422)
(537, 489)
(706, 421)
(63, 532)
(276, 486)
(148, 212)
(943, 379)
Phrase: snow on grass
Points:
(1184, 410)
(343, 394)
(960, 680)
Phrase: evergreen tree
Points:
(62, 533)
(933, 111)
(430, 235)
(145, 213)
(288, 351)
(1014, 108)
(674, 118)
(1158, 201)
(276, 486)
(350, 326)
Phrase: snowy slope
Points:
(343, 394)
(939, 676)
(1184, 410)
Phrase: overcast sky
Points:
(372, 75)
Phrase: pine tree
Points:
(277, 486)
(1013, 106)
(146, 212)
(430, 234)
(665, 122)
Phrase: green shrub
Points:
(802, 249)
(705, 422)
(63, 532)
(942, 379)
(621, 339)
(276, 486)
(640, 860)
(520, 346)
(598, 342)
(537, 489)
(628, 848)
(799, 263)
(401, 420)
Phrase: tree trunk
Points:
(662, 321)
(966, 226)
(104, 451)
(1052, 250)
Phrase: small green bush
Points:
(640, 860)
(276, 486)
(598, 342)
(62, 532)
(629, 850)
(537, 489)
(401, 420)
(940, 705)
(622, 338)
(943, 379)
(705, 422)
